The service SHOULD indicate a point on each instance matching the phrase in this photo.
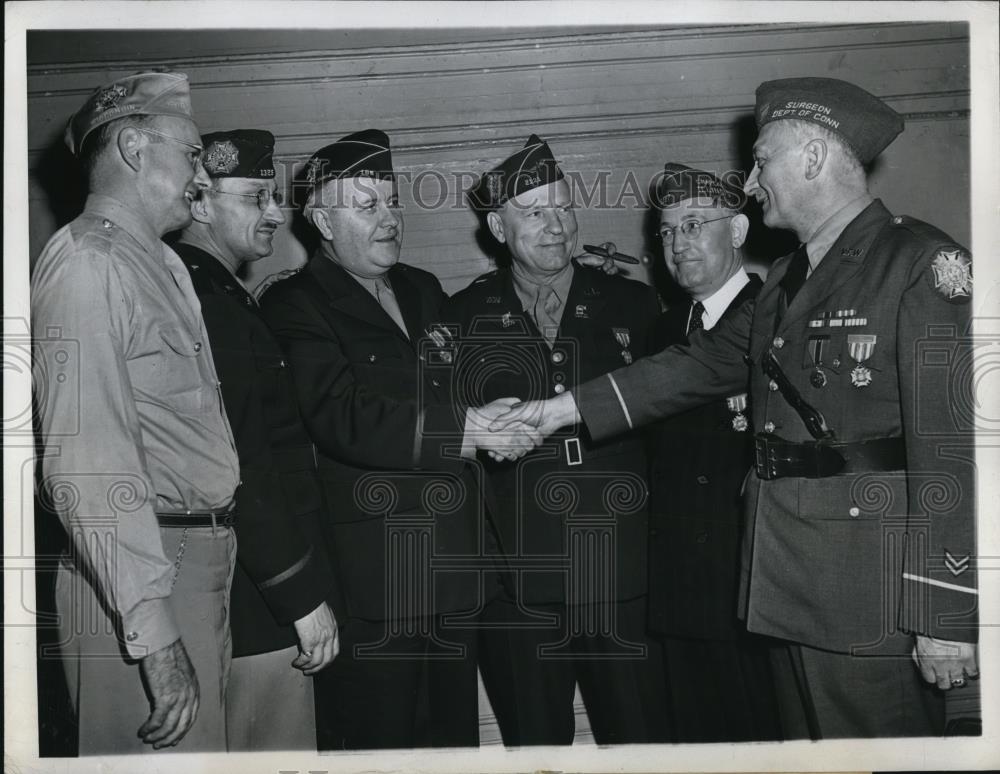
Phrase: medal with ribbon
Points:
(738, 404)
(860, 347)
(816, 345)
(624, 338)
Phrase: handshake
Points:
(507, 428)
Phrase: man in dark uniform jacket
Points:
(279, 615)
(719, 680)
(356, 326)
(860, 545)
(572, 514)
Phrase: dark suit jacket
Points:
(540, 498)
(698, 460)
(282, 571)
(846, 562)
(387, 432)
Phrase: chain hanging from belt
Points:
(180, 556)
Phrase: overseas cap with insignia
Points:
(362, 154)
(531, 167)
(143, 94)
(239, 153)
(680, 182)
(861, 119)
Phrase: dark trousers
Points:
(387, 691)
(824, 695)
(530, 667)
(721, 690)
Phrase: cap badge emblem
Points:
(110, 97)
(221, 158)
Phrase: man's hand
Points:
(545, 415)
(319, 641)
(174, 687)
(512, 441)
(945, 663)
(607, 265)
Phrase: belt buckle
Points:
(574, 455)
(763, 459)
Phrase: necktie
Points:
(795, 277)
(545, 310)
(695, 321)
(387, 300)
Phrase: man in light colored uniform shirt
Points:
(139, 461)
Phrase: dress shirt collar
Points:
(527, 287)
(828, 233)
(717, 303)
(126, 219)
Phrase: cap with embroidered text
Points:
(679, 182)
(861, 119)
(531, 167)
(239, 153)
(143, 94)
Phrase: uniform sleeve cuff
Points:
(149, 626)
(602, 407)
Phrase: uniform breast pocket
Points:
(176, 375)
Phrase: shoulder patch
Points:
(952, 272)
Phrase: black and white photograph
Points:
(511, 386)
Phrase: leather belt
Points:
(777, 458)
(213, 517)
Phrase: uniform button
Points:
(197, 346)
(769, 427)
(778, 342)
(558, 357)
(371, 358)
(107, 223)
(897, 220)
(702, 480)
(702, 537)
(435, 382)
(131, 636)
(772, 386)
(855, 511)
(559, 388)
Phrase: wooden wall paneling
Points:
(456, 102)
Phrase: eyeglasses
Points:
(689, 228)
(196, 150)
(264, 197)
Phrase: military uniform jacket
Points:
(845, 562)
(698, 460)
(388, 437)
(282, 570)
(547, 507)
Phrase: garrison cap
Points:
(861, 119)
(142, 94)
(680, 182)
(531, 167)
(361, 154)
(239, 153)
